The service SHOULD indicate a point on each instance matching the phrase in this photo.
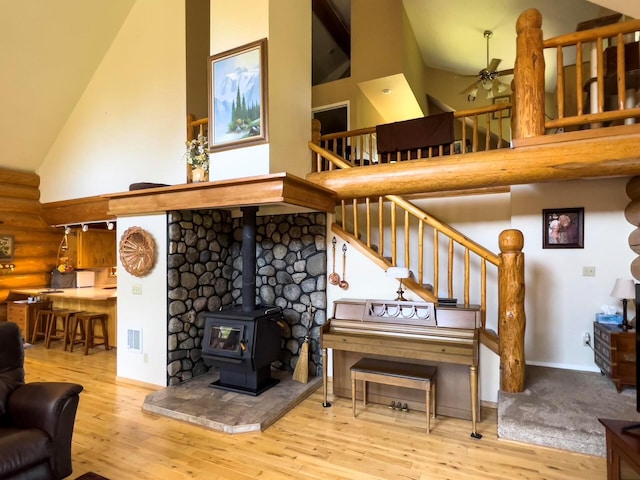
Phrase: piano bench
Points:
(399, 374)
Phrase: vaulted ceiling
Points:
(49, 51)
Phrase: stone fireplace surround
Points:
(204, 273)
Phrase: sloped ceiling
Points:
(49, 50)
(450, 34)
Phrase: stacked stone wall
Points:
(205, 274)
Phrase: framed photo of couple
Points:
(563, 228)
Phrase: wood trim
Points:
(610, 156)
(275, 189)
(14, 177)
(87, 209)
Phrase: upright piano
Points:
(411, 331)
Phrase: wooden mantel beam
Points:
(568, 156)
(279, 189)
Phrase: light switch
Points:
(136, 289)
(588, 271)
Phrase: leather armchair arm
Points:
(48, 406)
(39, 404)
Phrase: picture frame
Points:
(7, 248)
(563, 228)
(237, 92)
(500, 114)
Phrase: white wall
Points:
(560, 302)
(228, 30)
(129, 124)
(147, 311)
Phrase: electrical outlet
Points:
(136, 289)
(588, 271)
(586, 339)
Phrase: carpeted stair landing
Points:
(560, 409)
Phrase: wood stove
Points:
(244, 340)
(243, 345)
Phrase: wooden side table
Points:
(623, 448)
(615, 353)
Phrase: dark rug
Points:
(560, 409)
(91, 476)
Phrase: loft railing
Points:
(604, 96)
(479, 129)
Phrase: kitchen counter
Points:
(85, 293)
(87, 299)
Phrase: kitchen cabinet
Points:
(93, 248)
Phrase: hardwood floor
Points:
(114, 438)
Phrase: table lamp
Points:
(399, 273)
(626, 290)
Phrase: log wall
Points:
(35, 242)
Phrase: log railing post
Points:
(528, 78)
(511, 316)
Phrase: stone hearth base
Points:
(194, 401)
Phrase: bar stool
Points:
(83, 324)
(55, 332)
(41, 324)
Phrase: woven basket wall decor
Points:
(137, 251)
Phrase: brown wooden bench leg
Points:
(353, 394)
(398, 374)
(428, 407)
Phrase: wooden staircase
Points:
(444, 263)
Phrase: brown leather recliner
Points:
(36, 419)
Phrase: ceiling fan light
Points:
(487, 84)
(490, 94)
(502, 87)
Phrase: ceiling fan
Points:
(487, 78)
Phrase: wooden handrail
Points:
(629, 26)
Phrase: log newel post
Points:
(315, 139)
(511, 316)
(528, 78)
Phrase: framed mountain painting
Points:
(237, 82)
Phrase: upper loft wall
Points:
(289, 86)
(129, 124)
(197, 52)
(50, 52)
(383, 47)
(287, 26)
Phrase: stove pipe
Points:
(249, 258)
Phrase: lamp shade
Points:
(398, 272)
(624, 288)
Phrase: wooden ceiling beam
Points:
(587, 155)
(69, 212)
(282, 190)
(334, 25)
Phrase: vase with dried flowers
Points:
(198, 159)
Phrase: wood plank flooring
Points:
(114, 438)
